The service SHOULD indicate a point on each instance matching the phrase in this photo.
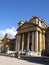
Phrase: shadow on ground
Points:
(35, 61)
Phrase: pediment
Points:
(25, 26)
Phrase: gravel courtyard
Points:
(14, 61)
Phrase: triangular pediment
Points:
(25, 26)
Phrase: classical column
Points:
(16, 47)
(43, 41)
(22, 42)
(40, 42)
(32, 41)
(19, 38)
(28, 40)
(36, 41)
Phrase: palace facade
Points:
(32, 36)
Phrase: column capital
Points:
(43, 31)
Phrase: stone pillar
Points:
(16, 47)
(19, 38)
(36, 41)
(22, 42)
(28, 40)
(32, 41)
(40, 42)
(43, 41)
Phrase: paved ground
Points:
(13, 61)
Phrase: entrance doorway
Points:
(30, 46)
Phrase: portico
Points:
(30, 41)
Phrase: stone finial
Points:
(20, 23)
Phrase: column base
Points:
(32, 53)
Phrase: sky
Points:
(12, 11)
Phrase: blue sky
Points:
(12, 11)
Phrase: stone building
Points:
(31, 36)
(7, 43)
(1, 44)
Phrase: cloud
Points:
(12, 31)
